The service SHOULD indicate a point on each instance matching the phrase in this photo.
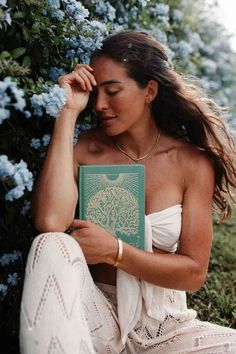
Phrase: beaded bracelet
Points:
(120, 252)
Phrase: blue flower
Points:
(54, 73)
(57, 15)
(54, 4)
(6, 12)
(26, 207)
(27, 114)
(143, 2)
(91, 38)
(46, 139)
(10, 97)
(12, 279)
(4, 114)
(3, 289)
(183, 49)
(106, 10)
(35, 143)
(76, 11)
(159, 35)
(162, 9)
(8, 258)
(52, 101)
(177, 15)
(18, 174)
(6, 167)
(15, 193)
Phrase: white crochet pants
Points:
(64, 311)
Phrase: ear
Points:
(152, 91)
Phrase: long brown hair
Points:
(180, 108)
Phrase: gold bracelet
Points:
(120, 252)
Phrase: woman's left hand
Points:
(97, 244)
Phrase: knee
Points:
(54, 247)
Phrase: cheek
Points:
(129, 101)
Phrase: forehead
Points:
(108, 69)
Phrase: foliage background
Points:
(41, 39)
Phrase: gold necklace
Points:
(135, 159)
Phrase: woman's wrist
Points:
(116, 253)
(119, 253)
(72, 114)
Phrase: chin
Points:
(111, 131)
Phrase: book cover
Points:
(112, 196)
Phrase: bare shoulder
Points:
(195, 163)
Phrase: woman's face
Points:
(119, 101)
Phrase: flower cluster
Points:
(10, 97)
(17, 175)
(55, 72)
(53, 10)
(12, 279)
(52, 101)
(5, 13)
(177, 15)
(75, 11)
(26, 207)
(3, 290)
(105, 9)
(8, 258)
(36, 143)
(83, 45)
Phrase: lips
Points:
(108, 120)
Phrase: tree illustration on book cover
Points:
(115, 209)
(112, 196)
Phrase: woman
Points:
(148, 114)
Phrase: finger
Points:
(68, 79)
(86, 79)
(78, 66)
(79, 223)
(89, 75)
(80, 80)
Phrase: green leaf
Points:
(26, 61)
(26, 34)
(5, 54)
(19, 14)
(18, 52)
(36, 27)
(74, 61)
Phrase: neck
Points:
(139, 141)
(137, 158)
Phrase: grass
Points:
(216, 301)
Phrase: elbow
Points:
(47, 225)
(197, 280)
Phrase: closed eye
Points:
(112, 93)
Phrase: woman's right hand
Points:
(78, 84)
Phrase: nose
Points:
(101, 103)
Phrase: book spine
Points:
(81, 175)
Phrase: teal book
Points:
(112, 196)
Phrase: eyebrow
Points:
(108, 82)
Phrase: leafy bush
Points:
(216, 301)
(42, 39)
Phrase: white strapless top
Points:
(166, 227)
(162, 230)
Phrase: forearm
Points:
(172, 271)
(55, 193)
